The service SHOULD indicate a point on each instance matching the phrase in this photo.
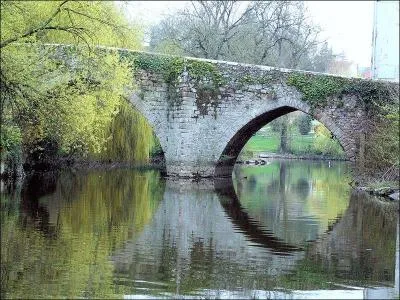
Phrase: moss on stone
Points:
(199, 70)
(267, 78)
(205, 76)
(172, 67)
(317, 88)
(207, 96)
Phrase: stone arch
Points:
(237, 141)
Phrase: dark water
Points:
(290, 229)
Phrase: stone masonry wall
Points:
(199, 125)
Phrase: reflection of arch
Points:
(251, 228)
(239, 139)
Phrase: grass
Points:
(297, 144)
(259, 143)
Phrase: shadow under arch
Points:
(227, 159)
(249, 227)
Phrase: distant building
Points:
(385, 41)
(340, 65)
(364, 72)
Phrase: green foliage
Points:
(10, 138)
(270, 77)
(325, 143)
(277, 124)
(200, 70)
(304, 124)
(67, 95)
(10, 146)
(72, 105)
(316, 88)
(71, 22)
(302, 144)
(130, 136)
(382, 145)
(374, 94)
(172, 67)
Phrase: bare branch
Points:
(43, 26)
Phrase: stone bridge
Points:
(203, 111)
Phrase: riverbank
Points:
(294, 156)
(388, 192)
(260, 158)
(388, 189)
(385, 184)
(385, 188)
(62, 163)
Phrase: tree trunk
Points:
(283, 145)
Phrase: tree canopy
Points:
(275, 33)
(65, 97)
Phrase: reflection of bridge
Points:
(353, 238)
(242, 221)
(198, 232)
(191, 216)
(196, 228)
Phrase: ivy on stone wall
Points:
(172, 67)
(270, 77)
(317, 88)
(204, 75)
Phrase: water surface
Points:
(289, 229)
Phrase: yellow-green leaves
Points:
(70, 22)
(68, 95)
(130, 136)
(325, 143)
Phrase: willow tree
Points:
(64, 102)
(130, 137)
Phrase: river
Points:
(287, 229)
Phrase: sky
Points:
(347, 25)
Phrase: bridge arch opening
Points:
(233, 148)
(134, 139)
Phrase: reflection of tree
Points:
(252, 183)
(282, 207)
(294, 191)
(361, 248)
(201, 266)
(302, 188)
(361, 243)
(34, 187)
(96, 213)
